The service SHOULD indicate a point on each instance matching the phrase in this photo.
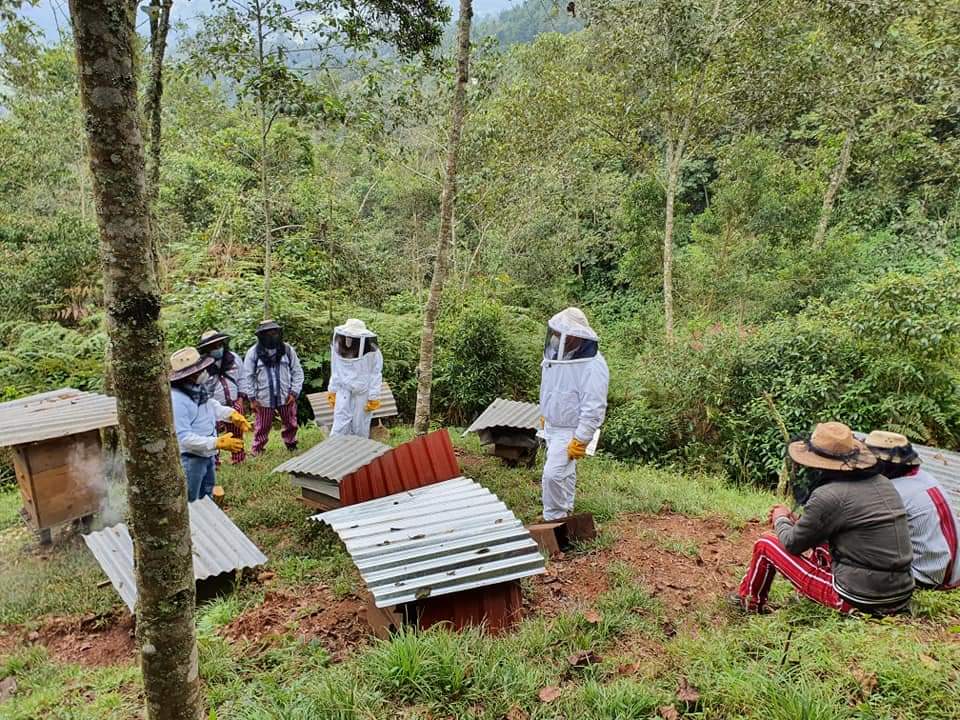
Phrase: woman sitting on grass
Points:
(854, 525)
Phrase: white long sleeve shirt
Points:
(196, 425)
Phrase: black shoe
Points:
(291, 446)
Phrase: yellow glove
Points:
(372, 406)
(576, 449)
(331, 399)
(240, 421)
(229, 443)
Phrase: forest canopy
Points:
(801, 158)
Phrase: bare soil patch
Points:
(313, 612)
(93, 641)
(686, 563)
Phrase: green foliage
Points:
(37, 357)
(485, 353)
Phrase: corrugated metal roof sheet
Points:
(219, 546)
(54, 414)
(944, 465)
(508, 413)
(422, 461)
(436, 540)
(323, 413)
(334, 458)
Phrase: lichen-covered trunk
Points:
(837, 177)
(421, 423)
(159, 524)
(673, 171)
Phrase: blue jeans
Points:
(200, 475)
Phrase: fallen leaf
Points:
(549, 694)
(687, 693)
(265, 576)
(8, 686)
(592, 617)
(516, 713)
(668, 712)
(867, 680)
(930, 662)
(583, 658)
(628, 669)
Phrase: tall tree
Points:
(104, 37)
(159, 14)
(252, 42)
(448, 198)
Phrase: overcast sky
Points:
(50, 15)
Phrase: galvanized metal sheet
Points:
(54, 414)
(436, 540)
(508, 413)
(944, 465)
(318, 485)
(323, 413)
(219, 546)
(334, 458)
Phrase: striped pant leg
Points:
(262, 420)
(808, 578)
(288, 422)
(237, 457)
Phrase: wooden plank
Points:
(545, 535)
(317, 501)
(21, 464)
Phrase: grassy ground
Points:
(801, 662)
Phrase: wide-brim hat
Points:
(832, 446)
(266, 326)
(211, 337)
(892, 447)
(186, 362)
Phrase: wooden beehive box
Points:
(54, 438)
(61, 479)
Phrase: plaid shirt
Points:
(933, 530)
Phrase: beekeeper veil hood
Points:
(352, 340)
(570, 337)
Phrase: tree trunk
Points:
(448, 196)
(159, 28)
(104, 40)
(837, 177)
(264, 173)
(673, 170)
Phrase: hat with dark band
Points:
(892, 447)
(186, 362)
(832, 446)
(210, 338)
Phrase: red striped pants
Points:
(222, 427)
(811, 576)
(263, 419)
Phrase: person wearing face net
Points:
(195, 417)
(356, 374)
(573, 403)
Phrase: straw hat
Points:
(211, 337)
(892, 447)
(832, 446)
(187, 361)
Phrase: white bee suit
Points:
(573, 401)
(356, 374)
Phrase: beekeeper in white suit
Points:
(573, 403)
(356, 374)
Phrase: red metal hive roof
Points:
(423, 461)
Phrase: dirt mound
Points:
(686, 563)
(88, 640)
(313, 613)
